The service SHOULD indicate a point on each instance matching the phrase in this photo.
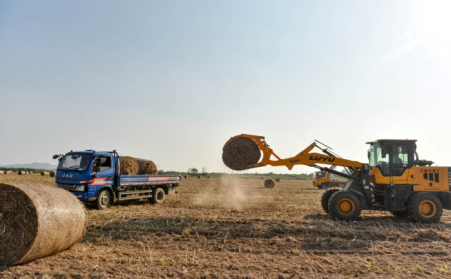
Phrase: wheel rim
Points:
(427, 209)
(104, 200)
(345, 206)
(160, 196)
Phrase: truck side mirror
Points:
(55, 156)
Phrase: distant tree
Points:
(194, 170)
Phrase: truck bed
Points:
(128, 180)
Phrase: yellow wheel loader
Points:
(394, 180)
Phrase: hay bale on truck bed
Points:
(129, 165)
(147, 167)
(269, 183)
(240, 152)
(37, 221)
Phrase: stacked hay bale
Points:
(269, 183)
(240, 152)
(133, 166)
(35, 222)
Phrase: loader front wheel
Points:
(344, 206)
(425, 208)
(325, 198)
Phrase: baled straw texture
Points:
(52, 174)
(37, 221)
(270, 183)
(241, 152)
(129, 165)
(149, 167)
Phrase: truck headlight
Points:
(80, 188)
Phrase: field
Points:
(223, 228)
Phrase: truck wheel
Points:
(324, 186)
(158, 196)
(344, 206)
(103, 200)
(425, 208)
(325, 199)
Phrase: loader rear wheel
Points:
(325, 198)
(425, 208)
(344, 206)
(158, 196)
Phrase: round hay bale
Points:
(240, 152)
(52, 174)
(148, 167)
(129, 165)
(269, 183)
(44, 173)
(7, 172)
(37, 221)
(277, 179)
(208, 176)
(199, 176)
(186, 176)
(21, 172)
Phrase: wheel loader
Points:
(394, 179)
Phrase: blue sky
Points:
(172, 81)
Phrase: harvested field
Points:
(236, 229)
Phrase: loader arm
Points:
(303, 158)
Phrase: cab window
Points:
(105, 164)
(400, 159)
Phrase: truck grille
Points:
(66, 186)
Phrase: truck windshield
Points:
(320, 175)
(75, 162)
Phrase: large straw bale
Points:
(240, 152)
(7, 172)
(149, 167)
(37, 221)
(52, 174)
(21, 172)
(129, 165)
(45, 173)
(269, 183)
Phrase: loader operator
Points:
(398, 168)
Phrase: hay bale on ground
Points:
(208, 176)
(247, 178)
(240, 152)
(129, 165)
(44, 173)
(199, 176)
(277, 179)
(21, 172)
(186, 176)
(35, 222)
(269, 183)
(7, 172)
(52, 174)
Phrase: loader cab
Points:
(392, 157)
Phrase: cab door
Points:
(400, 162)
(105, 175)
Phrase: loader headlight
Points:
(80, 188)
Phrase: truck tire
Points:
(103, 200)
(344, 206)
(158, 196)
(324, 186)
(325, 199)
(425, 208)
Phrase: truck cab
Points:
(94, 177)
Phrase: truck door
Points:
(105, 176)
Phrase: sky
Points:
(172, 81)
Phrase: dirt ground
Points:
(223, 228)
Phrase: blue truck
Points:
(95, 178)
